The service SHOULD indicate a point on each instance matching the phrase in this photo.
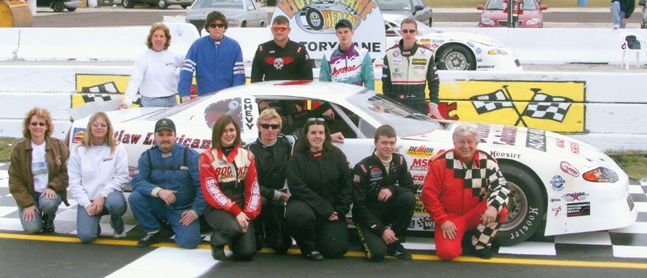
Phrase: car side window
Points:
(250, 5)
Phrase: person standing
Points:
(97, 170)
(347, 63)
(166, 188)
(383, 199)
(621, 10)
(281, 58)
(217, 60)
(465, 191)
(320, 183)
(408, 67)
(230, 187)
(155, 74)
(38, 173)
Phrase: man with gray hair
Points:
(465, 191)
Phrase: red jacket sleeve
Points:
(252, 190)
(210, 188)
(432, 190)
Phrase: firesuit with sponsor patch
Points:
(405, 74)
(272, 62)
(352, 66)
(460, 192)
(373, 216)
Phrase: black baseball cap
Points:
(344, 23)
(164, 124)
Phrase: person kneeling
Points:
(230, 187)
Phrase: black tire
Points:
(243, 24)
(162, 4)
(184, 6)
(315, 19)
(526, 206)
(128, 4)
(71, 9)
(455, 57)
(58, 6)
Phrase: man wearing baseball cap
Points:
(166, 188)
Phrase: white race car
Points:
(457, 50)
(554, 180)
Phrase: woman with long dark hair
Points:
(320, 182)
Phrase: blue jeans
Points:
(149, 210)
(47, 210)
(617, 14)
(169, 101)
(87, 226)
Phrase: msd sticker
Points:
(557, 183)
(569, 169)
(578, 209)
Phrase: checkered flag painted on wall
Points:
(543, 106)
(491, 102)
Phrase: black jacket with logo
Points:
(271, 62)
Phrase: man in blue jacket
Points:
(166, 187)
(216, 60)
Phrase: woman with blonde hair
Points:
(97, 170)
(156, 72)
(38, 173)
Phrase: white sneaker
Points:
(122, 235)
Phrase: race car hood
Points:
(485, 40)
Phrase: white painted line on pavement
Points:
(169, 262)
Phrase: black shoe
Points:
(150, 238)
(313, 256)
(398, 251)
(483, 253)
(48, 224)
(218, 252)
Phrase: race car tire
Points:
(526, 206)
(162, 4)
(455, 57)
(58, 6)
(71, 9)
(315, 19)
(128, 4)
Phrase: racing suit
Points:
(371, 215)
(217, 65)
(320, 184)
(222, 171)
(272, 62)
(352, 66)
(271, 163)
(405, 74)
(457, 192)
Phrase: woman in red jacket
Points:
(230, 187)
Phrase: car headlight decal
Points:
(497, 52)
(601, 174)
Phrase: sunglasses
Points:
(268, 126)
(37, 123)
(100, 125)
(404, 31)
(317, 120)
(217, 25)
(279, 29)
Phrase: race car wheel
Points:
(57, 6)
(128, 4)
(315, 19)
(526, 206)
(162, 4)
(455, 57)
(71, 9)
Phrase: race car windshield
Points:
(394, 5)
(219, 4)
(405, 120)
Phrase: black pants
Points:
(270, 226)
(311, 232)
(227, 231)
(397, 213)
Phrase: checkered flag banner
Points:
(543, 106)
(491, 102)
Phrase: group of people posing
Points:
(217, 63)
(265, 193)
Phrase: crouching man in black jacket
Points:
(383, 199)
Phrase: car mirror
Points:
(480, 7)
(418, 8)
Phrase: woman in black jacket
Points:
(320, 182)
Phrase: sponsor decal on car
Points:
(505, 136)
(569, 169)
(557, 183)
(578, 209)
(557, 210)
(419, 164)
(575, 196)
(575, 148)
(420, 151)
(559, 143)
(555, 200)
(536, 139)
(418, 178)
(497, 154)
(78, 134)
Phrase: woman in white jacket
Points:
(156, 72)
(97, 170)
